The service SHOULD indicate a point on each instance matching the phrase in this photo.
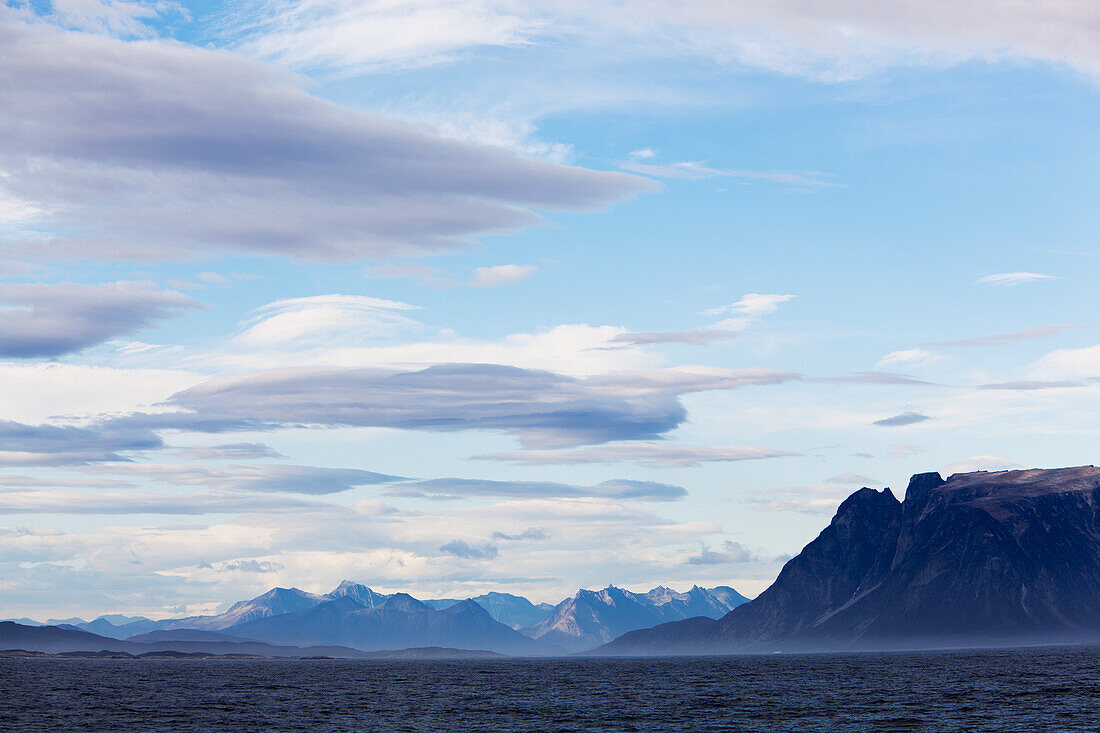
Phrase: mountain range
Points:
(981, 559)
(591, 618)
(355, 616)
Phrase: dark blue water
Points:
(1019, 690)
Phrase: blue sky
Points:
(329, 286)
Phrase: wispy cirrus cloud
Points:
(805, 181)
(260, 477)
(912, 357)
(1000, 339)
(615, 489)
(700, 336)
(830, 39)
(228, 452)
(55, 501)
(740, 316)
(47, 320)
(1009, 279)
(656, 454)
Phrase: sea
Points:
(1040, 689)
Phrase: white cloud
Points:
(752, 306)
(979, 463)
(324, 319)
(912, 357)
(832, 39)
(371, 35)
(488, 277)
(34, 393)
(1068, 364)
(691, 171)
(1000, 339)
(643, 154)
(1009, 279)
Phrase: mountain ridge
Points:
(978, 559)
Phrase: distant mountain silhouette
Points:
(356, 616)
(591, 618)
(982, 559)
(276, 602)
(56, 639)
(400, 621)
(514, 611)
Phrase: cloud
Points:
(462, 549)
(56, 445)
(902, 450)
(656, 454)
(615, 489)
(252, 566)
(228, 452)
(873, 378)
(531, 533)
(806, 499)
(257, 477)
(1009, 279)
(829, 39)
(115, 503)
(1034, 384)
(122, 18)
(695, 171)
(643, 154)
(905, 418)
(490, 277)
(39, 320)
(731, 552)
(979, 463)
(541, 408)
(1001, 339)
(695, 336)
(213, 278)
(747, 310)
(323, 319)
(909, 356)
(854, 479)
(420, 273)
(1069, 363)
(117, 144)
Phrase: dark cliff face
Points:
(980, 559)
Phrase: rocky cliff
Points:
(981, 559)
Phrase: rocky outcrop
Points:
(981, 559)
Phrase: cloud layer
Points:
(118, 145)
(541, 408)
(39, 320)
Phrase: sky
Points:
(451, 297)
